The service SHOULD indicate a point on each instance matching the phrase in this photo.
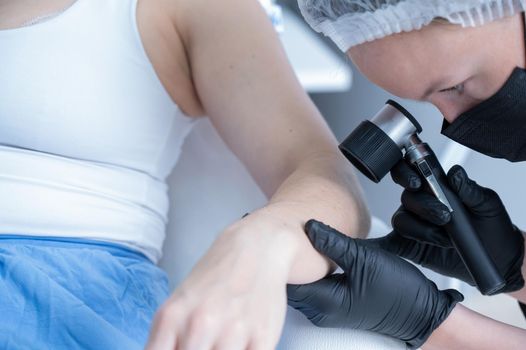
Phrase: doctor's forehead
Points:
(411, 64)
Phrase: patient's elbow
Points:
(360, 219)
(365, 224)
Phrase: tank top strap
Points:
(116, 18)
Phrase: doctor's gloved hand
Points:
(378, 291)
(420, 237)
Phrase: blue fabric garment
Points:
(76, 294)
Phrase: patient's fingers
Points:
(260, 344)
(235, 338)
(201, 331)
(164, 328)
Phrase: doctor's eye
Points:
(459, 89)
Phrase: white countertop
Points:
(318, 68)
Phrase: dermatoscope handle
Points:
(463, 236)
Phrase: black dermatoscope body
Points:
(375, 146)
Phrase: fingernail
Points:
(445, 217)
(311, 224)
(318, 234)
(457, 180)
(414, 182)
(440, 214)
(458, 174)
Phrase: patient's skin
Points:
(419, 64)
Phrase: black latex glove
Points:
(419, 236)
(378, 292)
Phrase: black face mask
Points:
(497, 126)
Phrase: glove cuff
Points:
(449, 299)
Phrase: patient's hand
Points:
(234, 298)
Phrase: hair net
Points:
(353, 22)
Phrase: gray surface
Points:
(504, 177)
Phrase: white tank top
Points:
(88, 134)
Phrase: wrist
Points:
(445, 334)
(439, 321)
(275, 235)
(467, 330)
(265, 238)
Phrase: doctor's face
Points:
(452, 67)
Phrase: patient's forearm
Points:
(324, 188)
(465, 330)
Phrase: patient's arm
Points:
(467, 330)
(236, 293)
(249, 91)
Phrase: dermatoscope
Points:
(376, 146)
